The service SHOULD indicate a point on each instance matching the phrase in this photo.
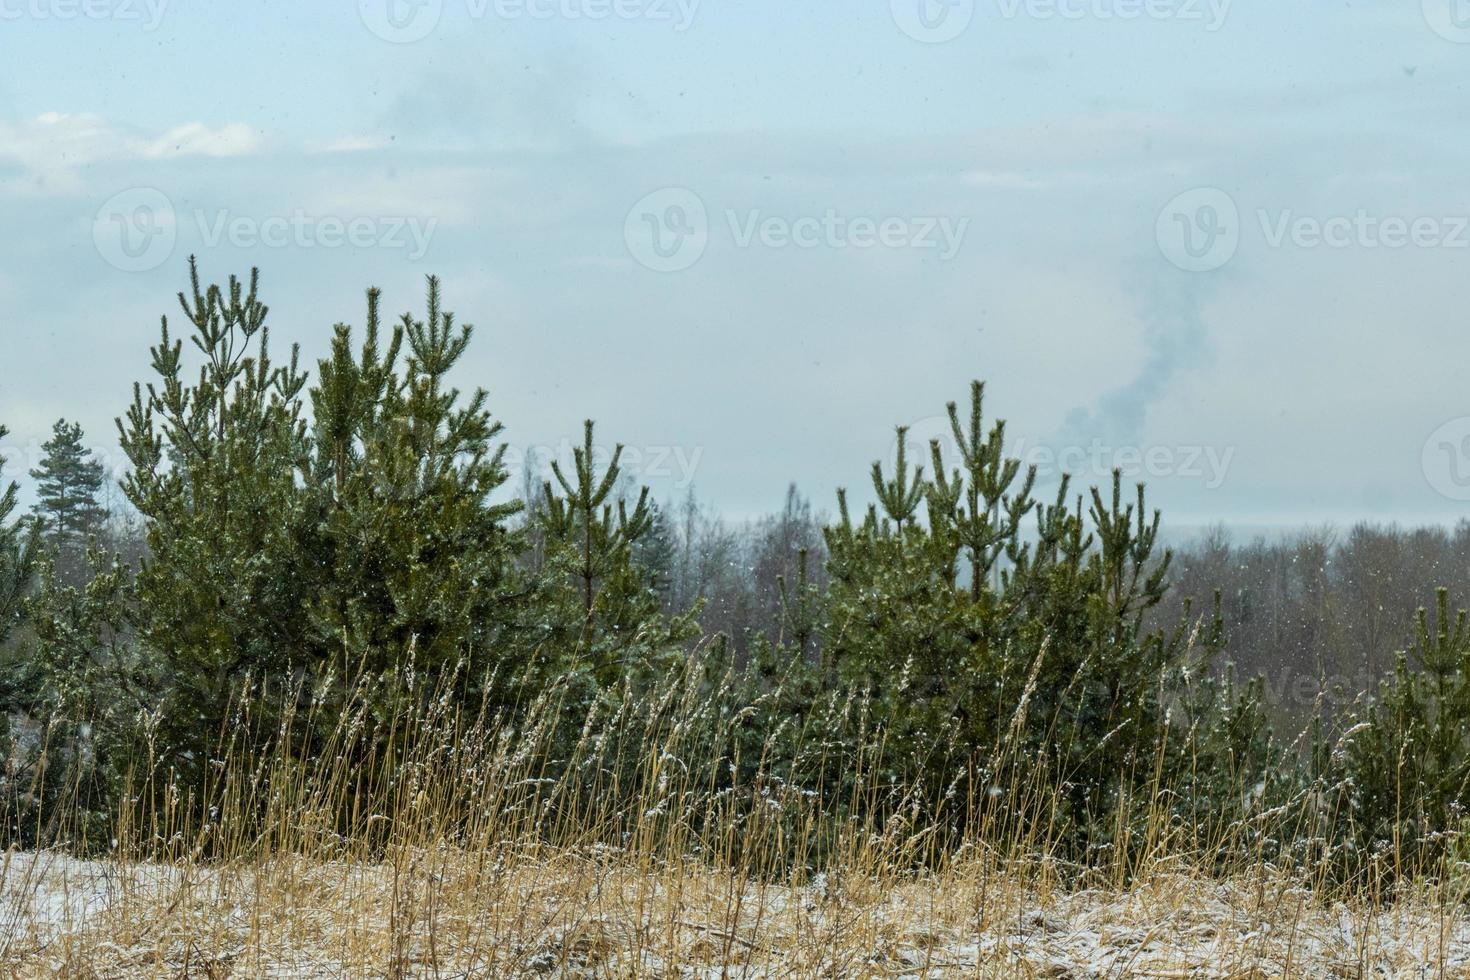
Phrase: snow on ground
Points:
(44, 894)
(561, 917)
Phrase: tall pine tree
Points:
(215, 464)
(593, 541)
(1054, 622)
(354, 546)
(418, 560)
(68, 482)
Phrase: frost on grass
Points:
(533, 912)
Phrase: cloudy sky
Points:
(1223, 245)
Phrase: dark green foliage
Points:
(216, 475)
(342, 538)
(800, 609)
(590, 543)
(964, 658)
(899, 497)
(1042, 655)
(67, 484)
(582, 519)
(87, 692)
(977, 504)
(18, 548)
(17, 555)
(347, 548)
(655, 552)
(1406, 765)
(411, 557)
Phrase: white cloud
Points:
(197, 139)
(50, 149)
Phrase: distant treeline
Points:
(1319, 613)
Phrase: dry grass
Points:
(544, 912)
(623, 851)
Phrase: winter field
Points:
(343, 714)
(473, 856)
(541, 912)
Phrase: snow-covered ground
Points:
(556, 916)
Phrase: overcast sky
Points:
(1223, 245)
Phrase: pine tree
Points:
(216, 466)
(899, 497)
(800, 603)
(979, 501)
(1407, 765)
(18, 548)
(68, 483)
(617, 597)
(657, 554)
(417, 560)
(582, 516)
(17, 555)
(1055, 623)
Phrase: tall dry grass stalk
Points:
(626, 836)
